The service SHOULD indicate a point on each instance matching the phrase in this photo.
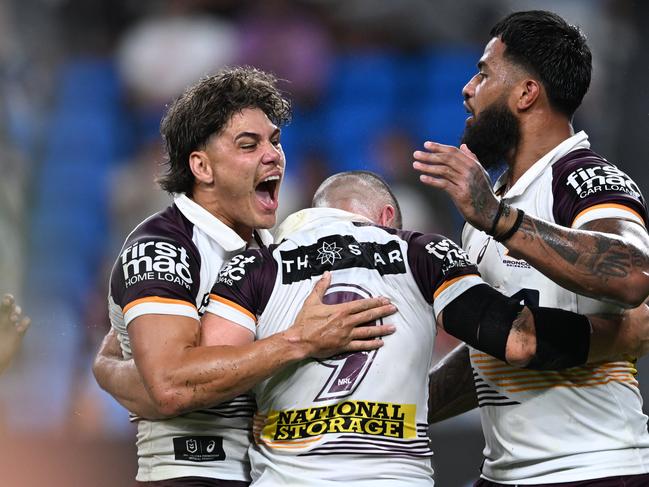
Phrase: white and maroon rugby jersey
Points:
(585, 422)
(168, 265)
(359, 418)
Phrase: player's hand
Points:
(329, 329)
(635, 327)
(457, 172)
(110, 347)
(620, 336)
(13, 326)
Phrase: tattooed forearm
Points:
(528, 228)
(552, 237)
(603, 255)
(612, 259)
(607, 259)
(639, 259)
(599, 255)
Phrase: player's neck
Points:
(210, 202)
(538, 137)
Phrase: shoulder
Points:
(158, 259)
(428, 243)
(582, 170)
(577, 158)
(164, 234)
(585, 186)
(169, 223)
(436, 261)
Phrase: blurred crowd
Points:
(83, 85)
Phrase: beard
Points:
(493, 135)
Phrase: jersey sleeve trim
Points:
(148, 306)
(451, 289)
(606, 210)
(234, 305)
(232, 311)
(449, 283)
(156, 299)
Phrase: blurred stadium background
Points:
(83, 84)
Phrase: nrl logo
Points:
(328, 253)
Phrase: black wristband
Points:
(482, 317)
(508, 234)
(562, 339)
(499, 213)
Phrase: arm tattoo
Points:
(527, 228)
(638, 259)
(479, 197)
(507, 210)
(599, 255)
(538, 229)
(614, 259)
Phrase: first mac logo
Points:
(155, 260)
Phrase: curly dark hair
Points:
(205, 108)
(548, 47)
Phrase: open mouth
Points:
(266, 192)
(470, 117)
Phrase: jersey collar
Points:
(314, 218)
(577, 141)
(215, 228)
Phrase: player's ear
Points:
(529, 91)
(386, 217)
(199, 164)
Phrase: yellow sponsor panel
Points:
(361, 417)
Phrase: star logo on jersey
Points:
(328, 253)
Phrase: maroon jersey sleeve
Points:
(587, 187)
(158, 269)
(436, 262)
(244, 286)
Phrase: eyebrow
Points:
(255, 135)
